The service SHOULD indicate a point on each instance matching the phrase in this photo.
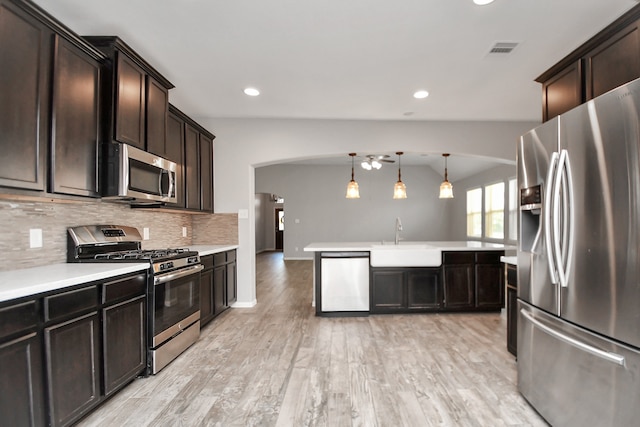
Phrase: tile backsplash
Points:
(54, 217)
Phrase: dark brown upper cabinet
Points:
(75, 121)
(25, 55)
(157, 111)
(197, 165)
(610, 59)
(175, 152)
(136, 100)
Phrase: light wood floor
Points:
(278, 365)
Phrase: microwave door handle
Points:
(546, 210)
(169, 178)
(171, 183)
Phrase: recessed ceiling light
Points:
(252, 91)
(421, 94)
(482, 2)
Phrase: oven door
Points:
(176, 303)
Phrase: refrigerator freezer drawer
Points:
(573, 377)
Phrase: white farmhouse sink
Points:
(406, 254)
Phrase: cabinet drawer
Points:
(231, 256)
(458, 257)
(17, 318)
(219, 258)
(207, 261)
(125, 288)
(488, 257)
(72, 302)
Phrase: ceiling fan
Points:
(374, 161)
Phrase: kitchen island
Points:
(362, 278)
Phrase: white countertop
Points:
(211, 249)
(37, 280)
(32, 281)
(463, 245)
(513, 260)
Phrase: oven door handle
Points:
(164, 278)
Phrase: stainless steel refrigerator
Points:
(579, 263)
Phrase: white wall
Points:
(242, 144)
(315, 197)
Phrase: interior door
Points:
(279, 228)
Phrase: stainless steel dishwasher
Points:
(344, 282)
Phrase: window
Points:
(494, 210)
(513, 209)
(474, 212)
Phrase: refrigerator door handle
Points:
(571, 221)
(608, 356)
(547, 208)
(557, 253)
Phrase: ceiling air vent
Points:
(502, 48)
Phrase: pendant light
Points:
(446, 189)
(353, 192)
(399, 190)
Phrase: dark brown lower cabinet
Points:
(123, 342)
(424, 290)
(218, 285)
(21, 382)
(512, 309)
(402, 290)
(206, 297)
(458, 279)
(72, 350)
(489, 280)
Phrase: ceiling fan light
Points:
(375, 164)
(365, 165)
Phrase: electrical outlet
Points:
(35, 238)
(184, 231)
(145, 233)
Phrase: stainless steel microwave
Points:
(135, 176)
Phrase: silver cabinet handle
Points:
(164, 278)
(609, 357)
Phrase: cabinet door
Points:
(75, 118)
(130, 103)
(21, 382)
(157, 110)
(72, 351)
(206, 173)
(219, 288)
(613, 63)
(489, 286)
(232, 285)
(25, 52)
(458, 286)
(206, 297)
(563, 91)
(387, 291)
(123, 342)
(424, 289)
(175, 152)
(192, 167)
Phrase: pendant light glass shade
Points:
(353, 192)
(446, 189)
(399, 190)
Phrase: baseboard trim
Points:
(239, 304)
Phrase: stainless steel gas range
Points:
(173, 288)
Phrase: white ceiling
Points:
(348, 59)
